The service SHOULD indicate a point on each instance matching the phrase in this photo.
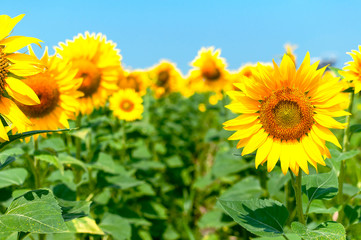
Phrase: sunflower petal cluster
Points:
(126, 105)
(97, 61)
(352, 71)
(57, 89)
(14, 66)
(287, 114)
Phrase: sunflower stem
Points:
(124, 139)
(298, 192)
(78, 140)
(345, 145)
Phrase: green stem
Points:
(285, 237)
(298, 192)
(124, 140)
(345, 144)
(78, 140)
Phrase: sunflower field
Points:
(91, 149)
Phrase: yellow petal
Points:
(312, 150)
(244, 133)
(274, 155)
(21, 92)
(327, 121)
(285, 157)
(15, 43)
(325, 134)
(7, 25)
(263, 151)
(255, 142)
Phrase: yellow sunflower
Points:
(12, 66)
(126, 104)
(352, 71)
(137, 80)
(209, 73)
(56, 88)
(165, 78)
(96, 61)
(286, 114)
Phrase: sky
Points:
(147, 31)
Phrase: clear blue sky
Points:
(247, 31)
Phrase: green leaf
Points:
(8, 156)
(84, 225)
(354, 231)
(36, 211)
(227, 163)
(154, 210)
(248, 187)
(265, 218)
(69, 160)
(23, 135)
(214, 219)
(124, 181)
(335, 71)
(325, 231)
(320, 185)
(340, 156)
(13, 176)
(116, 226)
(355, 128)
(74, 209)
(52, 160)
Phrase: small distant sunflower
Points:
(12, 66)
(96, 61)
(352, 71)
(286, 115)
(126, 104)
(137, 80)
(209, 73)
(56, 88)
(165, 78)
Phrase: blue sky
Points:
(246, 31)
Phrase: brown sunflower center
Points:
(210, 71)
(132, 82)
(287, 114)
(90, 74)
(47, 92)
(4, 63)
(127, 105)
(163, 77)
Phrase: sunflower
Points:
(209, 73)
(96, 61)
(137, 80)
(352, 71)
(12, 67)
(126, 104)
(286, 114)
(290, 51)
(56, 88)
(165, 78)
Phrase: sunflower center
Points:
(287, 114)
(163, 77)
(90, 74)
(4, 63)
(133, 83)
(210, 71)
(47, 92)
(127, 105)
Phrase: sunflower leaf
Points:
(320, 186)
(262, 217)
(325, 231)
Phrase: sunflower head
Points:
(287, 114)
(137, 80)
(14, 66)
(209, 73)
(96, 61)
(165, 78)
(57, 89)
(126, 104)
(352, 71)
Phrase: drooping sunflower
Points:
(209, 73)
(96, 61)
(165, 78)
(286, 114)
(137, 80)
(12, 66)
(352, 71)
(56, 88)
(126, 104)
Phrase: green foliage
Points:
(325, 231)
(320, 185)
(261, 217)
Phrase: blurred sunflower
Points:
(209, 73)
(352, 71)
(290, 51)
(126, 104)
(165, 78)
(97, 62)
(56, 88)
(287, 114)
(12, 66)
(137, 80)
